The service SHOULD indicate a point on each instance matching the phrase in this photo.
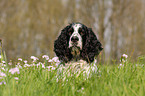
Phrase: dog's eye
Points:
(70, 31)
(81, 31)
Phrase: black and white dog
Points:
(77, 42)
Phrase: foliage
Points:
(35, 78)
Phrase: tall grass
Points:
(46, 78)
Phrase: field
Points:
(44, 77)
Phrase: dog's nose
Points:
(74, 39)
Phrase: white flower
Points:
(55, 59)
(14, 70)
(25, 61)
(50, 60)
(27, 65)
(0, 56)
(3, 62)
(34, 58)
(50, 68)
(20, 59)
(19, 66)
(46, 57)
(123, 60)
(16, 78)
(57, 63)
(32, 65)
(43, 66)
(2, 82)
(3, 68)
(10, 63)
(82, 88)
(38, 65)
(2, 74)
(124, 55)
(121, 65)
(18, 63)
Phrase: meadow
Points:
(45, 77)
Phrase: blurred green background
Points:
(29, 27)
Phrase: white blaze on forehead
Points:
(76, 33)
(76, 27)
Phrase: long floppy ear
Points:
(92, 46)
(61, 46)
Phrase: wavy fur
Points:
(91, 46)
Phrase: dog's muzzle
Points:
(74, 41)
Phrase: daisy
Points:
(14, 70)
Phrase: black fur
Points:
(91, 45)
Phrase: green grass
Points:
(110, 80)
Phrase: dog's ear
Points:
(92, 46)
(61, 46)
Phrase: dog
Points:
(77, 42)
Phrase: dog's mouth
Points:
(75, 51)
(75, 44)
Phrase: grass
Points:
(126, 79)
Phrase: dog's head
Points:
(77, 41)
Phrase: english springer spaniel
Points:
(77, 42)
